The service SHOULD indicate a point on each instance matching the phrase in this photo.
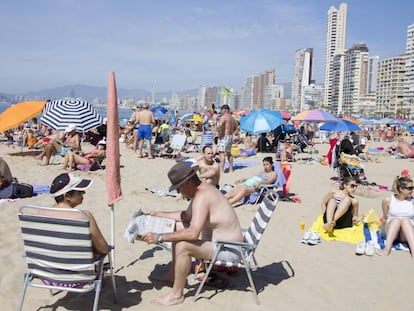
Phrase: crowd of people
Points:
(210, 215)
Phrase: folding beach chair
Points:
(177, 144)
(59, 252)
(247, 248)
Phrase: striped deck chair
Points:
(248, 247)
(59, 253)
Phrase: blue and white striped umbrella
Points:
(58, 114)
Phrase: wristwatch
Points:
(160, 238)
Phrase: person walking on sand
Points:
(145, 119)
(226, 127)
(208, 218)
(398, 214)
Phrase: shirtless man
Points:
(209, 217)
(209, 170)
(225, 129)
(145, 119)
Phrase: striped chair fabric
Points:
(248, 247)
(59, 252)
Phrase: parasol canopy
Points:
(58, 114)
(159, 112)
(315, 116)
(20, 113)
(340, 126)
(260, 121)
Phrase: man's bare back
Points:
(145, 117)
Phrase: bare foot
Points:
(382, 252)
(328, 227)
(168, 300)
(165, 277)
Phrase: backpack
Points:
(16, 190)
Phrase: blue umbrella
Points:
(340, 126)
(159, 112)
(187, 116)
(261, 121)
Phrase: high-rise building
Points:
(372, 74)
(355, 77)
(390, 86)
(265, 79)
(302, 77)
(335, 43)
(409, 71)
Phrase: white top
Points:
(401, 209)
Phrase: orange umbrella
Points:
(19, 113)
(352, 119)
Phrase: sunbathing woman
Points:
(339, 207)
(72, 158)
(249, 185)
(398, 213)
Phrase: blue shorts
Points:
(144, 132)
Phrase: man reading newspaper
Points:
(209, 217)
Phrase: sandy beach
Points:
(292, 275)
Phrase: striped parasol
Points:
(58, 114)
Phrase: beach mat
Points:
(350, 235)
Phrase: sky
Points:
(178, 45)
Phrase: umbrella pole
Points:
(112, 233)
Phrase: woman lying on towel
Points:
(398, 214)
(72, 158)
(339, 207)
(249, 185)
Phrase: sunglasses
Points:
(409, 188)
(353, 185)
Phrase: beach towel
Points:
(350, 235)
(240, 165)
(376, 237)
(163, 192)
(41, 189)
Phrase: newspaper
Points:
(141, 224)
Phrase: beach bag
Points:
(16, 190)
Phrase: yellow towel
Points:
(351, 235)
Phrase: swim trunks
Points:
(224, 143)
(227, 253)
(144, 132)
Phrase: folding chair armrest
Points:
(234, 243)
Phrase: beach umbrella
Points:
(260, 121)
(173, 117)
(240, 113)
(20, 113)
(58, 114)
(112, 169)
(186, 117)
(340, 126)
(196, 118)
(398, 122)
(285, 115)
(315, 116)
(159, 112)
(352, 119)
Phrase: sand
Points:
(292, 276)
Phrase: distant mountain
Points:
(94, 92)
